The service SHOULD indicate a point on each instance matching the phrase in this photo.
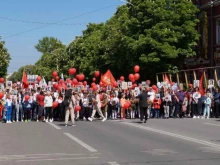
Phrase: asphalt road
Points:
(158, 142)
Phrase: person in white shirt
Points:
(97, 107)
(114, 102)
(70, 110)
(167, 100)
(48, 102)
(9, 108)
(195, 108)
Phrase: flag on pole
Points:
(201, 90)
(25, 81)
(166, 79)
(107, 78)
(44, 82)
(62, 76)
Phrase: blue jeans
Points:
(206, 111)
(8, 113)
(157, 113)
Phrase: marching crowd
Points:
(27, 105)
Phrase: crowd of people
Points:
(25, 105)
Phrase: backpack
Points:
(67, 97)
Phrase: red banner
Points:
(108, 78)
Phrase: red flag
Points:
(107, 78)
(25, 81)
(201, 90)
(166, 79)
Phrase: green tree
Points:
(4, 59)
(48, 45)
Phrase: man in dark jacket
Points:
(216, 103)
(143, 105)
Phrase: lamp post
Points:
(211, 33)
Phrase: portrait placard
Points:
(124, 85)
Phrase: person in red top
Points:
(156, 105)
(40, 101)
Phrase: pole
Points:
(186, 78)
(178, 79)
(211, 37)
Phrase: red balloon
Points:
(54, 74)
(80, 83)
(75, 81)
(94, 79)
(85, 83)
(95, 88)
(55, 104)
(59, 88)
(55, 86)
(136, 68)
(115, 84)
(126, 105)
(57, 78)
(68, 80)
(93, 84)
(129, 103)
(81, 77)
(38, 78)
(1, 95)
(131, 77)
(154, 87)
(101, 97)
(2, 80)
(77, 108)
(133, 80)
(72, 71)
(101, 83)
(26, 97)
(136, 76)
(122, 78)
(61, 81)
(97, 73)
(148, 82)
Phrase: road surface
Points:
(158, 142)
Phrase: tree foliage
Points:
(4, 59)
(155, 34)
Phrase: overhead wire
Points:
(42, 23)
(16, 34)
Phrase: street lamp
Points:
(211, 3)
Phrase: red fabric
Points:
(166, 79)
(1, 107)
(40, 100)
(25, 81)
(201, 90)
(157, 103)
(107, 78)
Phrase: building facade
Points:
(209, 29)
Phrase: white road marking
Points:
(173, 135)
(38, 160)
(113, 163)
(53, 125)
(35, 156)
(212, 124)
(160, 152)
(81, 142)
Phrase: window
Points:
(218, 31)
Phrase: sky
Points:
(22, 46)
